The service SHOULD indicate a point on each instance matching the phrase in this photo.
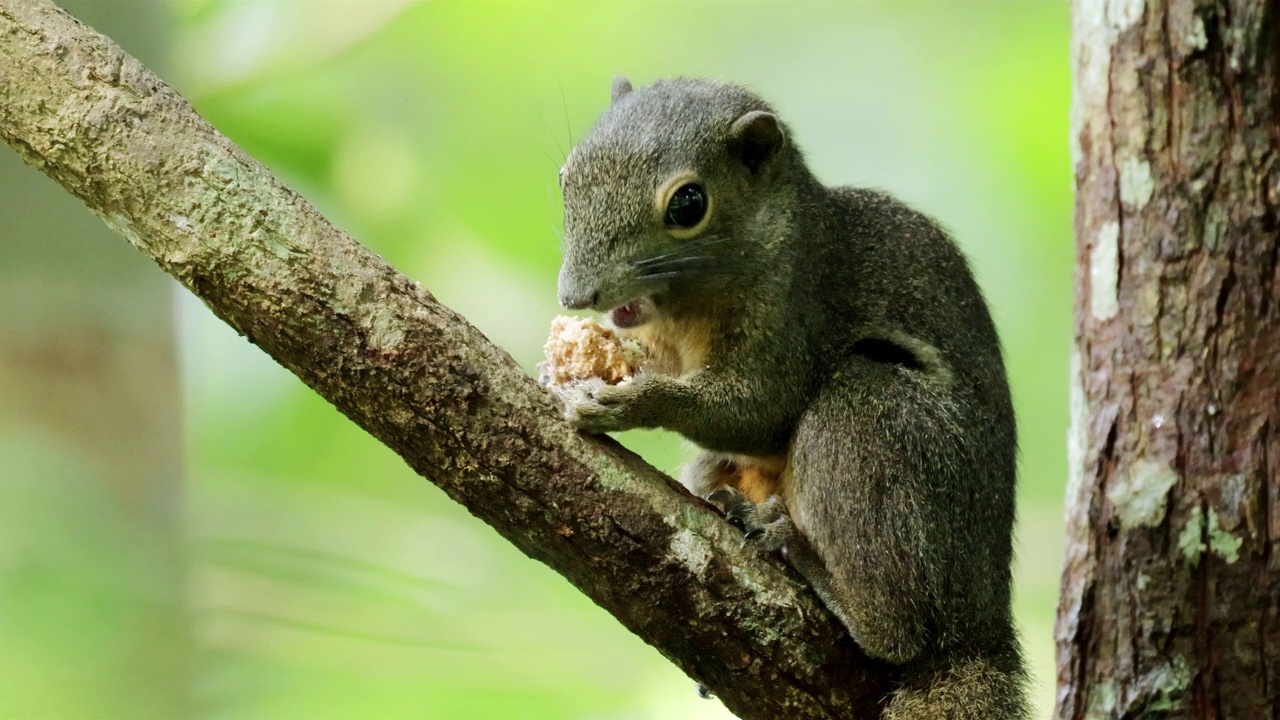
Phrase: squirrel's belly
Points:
(758, 478)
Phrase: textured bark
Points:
(417, 376)
(1171, 589)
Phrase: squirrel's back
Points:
(893, 286)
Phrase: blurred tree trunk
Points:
(90, 450)
(1171, 588)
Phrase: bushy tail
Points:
(962, 688)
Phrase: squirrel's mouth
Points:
(633, 314)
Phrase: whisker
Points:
(699, 271)
(704, 241)
(684, 250)
(661, 275)
(564, 103)
(656, 263)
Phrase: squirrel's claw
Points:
(765, 524)
(734, 506)
(725, 499)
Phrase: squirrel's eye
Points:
(687, 206)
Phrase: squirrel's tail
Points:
(963, 687)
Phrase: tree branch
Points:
(417, 376)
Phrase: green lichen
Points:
(1102, 699)
(1222, 543)
(1197, 38)
(1136, 184)
(1167, 684)
(608, 472)
(1104, 272)
(1139, 498)
(693, 551)
(1192, 540)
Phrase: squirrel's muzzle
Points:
(580, 301)
(577, 295)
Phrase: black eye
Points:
(687, 206)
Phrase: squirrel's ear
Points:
(756, 137)
(621, 86)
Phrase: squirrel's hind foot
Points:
(766, 524)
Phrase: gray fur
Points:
(849, 334)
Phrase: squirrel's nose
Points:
(579, 299)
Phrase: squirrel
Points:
(831, 355)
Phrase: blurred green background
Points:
(219, 542)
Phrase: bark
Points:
(1171, 589)
(418, 377)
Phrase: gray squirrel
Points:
(830, 353)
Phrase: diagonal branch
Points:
(417, 376)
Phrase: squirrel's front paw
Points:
(594, 406)
(766, 524)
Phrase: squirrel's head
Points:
(663, 198)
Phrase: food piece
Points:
(581, 348)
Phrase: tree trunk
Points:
(1171, 589)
